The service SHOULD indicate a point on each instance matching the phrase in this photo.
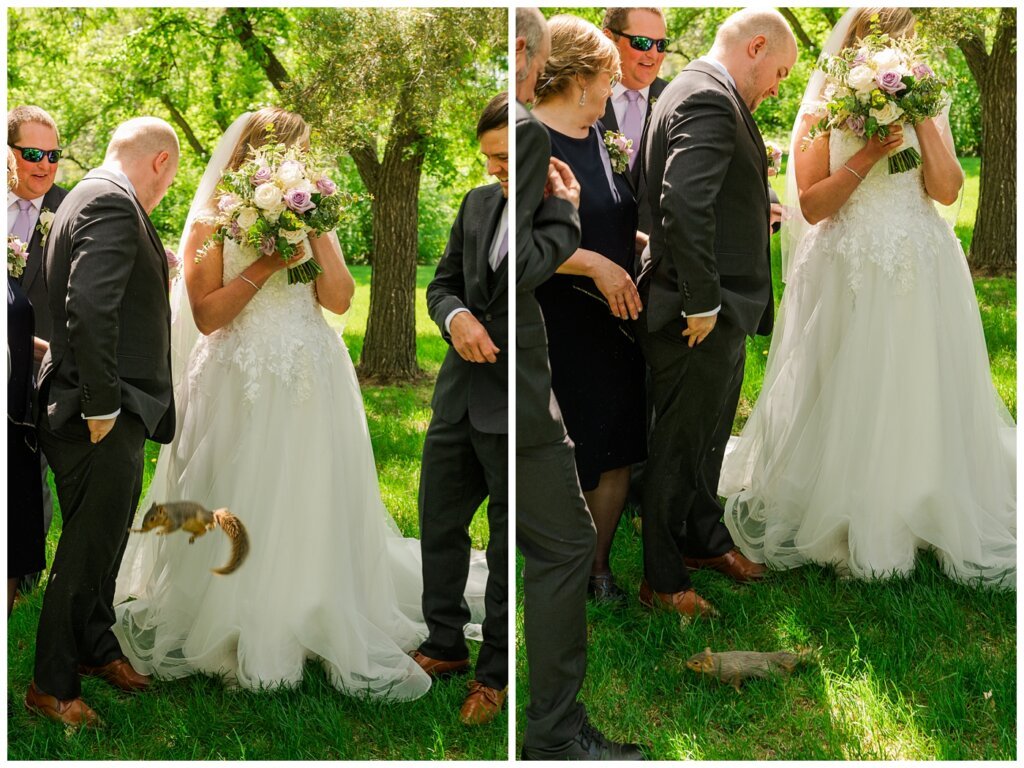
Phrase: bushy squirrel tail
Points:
(235, 531)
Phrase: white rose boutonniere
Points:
(619, 150)
(44, 224)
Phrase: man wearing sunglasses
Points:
(639, 34)
(32, 135)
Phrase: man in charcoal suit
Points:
(105, 386)
(465, 454)
(33, 136)
(554, 530)
(705, 283)
(639, 34)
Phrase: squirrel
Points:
(733, 667)
(197, 520)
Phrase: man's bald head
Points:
(743, 26)
(145, 149)
(142, 137)
(758, 48)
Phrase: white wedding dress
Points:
(271, 425)
(878, 431)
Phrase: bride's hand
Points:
(877, 147)
(277, 263)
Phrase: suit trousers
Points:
(98, 487)
(555, 533)
(695, 394)
(461, 467)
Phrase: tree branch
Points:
(179, 120)
(798, 30)
(257, 50)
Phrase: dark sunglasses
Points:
(642, 43)
(33, 155)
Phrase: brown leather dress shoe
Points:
(687, 602)
(438, 668)
(72, 712)
(119, 673)
(732, 564)
(482, 704)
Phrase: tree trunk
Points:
(258, 50)
(994, 244)
(389, 349)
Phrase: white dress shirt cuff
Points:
(714, 311)
(448, 320)
(104, 416)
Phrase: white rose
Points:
(294, 236)
(885, 59)
(861, 78)
(888, 114)
(46, 219)
(269, 198)
(290, 173)
(247, 217)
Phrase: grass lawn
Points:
(916, 668)
(197, 718)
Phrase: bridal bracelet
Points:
(250, 282)
(847, 167)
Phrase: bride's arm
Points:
(942, 173)
(335, 286)
(821, 195)
(215, 304)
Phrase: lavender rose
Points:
(922, 70)
(299, 200)
(890, 81)
(262, 176)
(325, 186)
(855, 124)
(228, 203)
(268, 245)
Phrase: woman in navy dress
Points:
(597, 370)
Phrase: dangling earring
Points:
(583, 97)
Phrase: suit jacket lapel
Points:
(486, 228)
(34, 268)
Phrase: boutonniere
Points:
(17, 256)
(650, 110)
(774, 158)
(619, 150)
(44, 224)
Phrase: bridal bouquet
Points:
(273, 201)
(17, 256)
(877, 84)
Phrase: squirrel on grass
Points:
(197, 520)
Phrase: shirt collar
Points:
(719, 66)
(37, 202)
(121, 177)
(619, 91)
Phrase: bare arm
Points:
(334, 288)
(215, 304)
(611, 280)
(942, 173)
(821, 195)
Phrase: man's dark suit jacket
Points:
(106, 277)
(636, 173)
(547, 233)
(32, 280)
(709, 242)
(462, 281)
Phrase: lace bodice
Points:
(281, 332)
(889, 220)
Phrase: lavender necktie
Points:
(632, 124)
(23, 223)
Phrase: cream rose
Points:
(269, 198)
(247, 217)
(290, 173)
(885, 59)
(293, 236)
(888, 114)
(862, 78)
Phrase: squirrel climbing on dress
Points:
(197, 520)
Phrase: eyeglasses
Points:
(642, 42)
(34, 155)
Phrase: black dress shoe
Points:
(603, 589)
(589, 744)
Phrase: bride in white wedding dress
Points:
(271, 425)
(878, 431)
